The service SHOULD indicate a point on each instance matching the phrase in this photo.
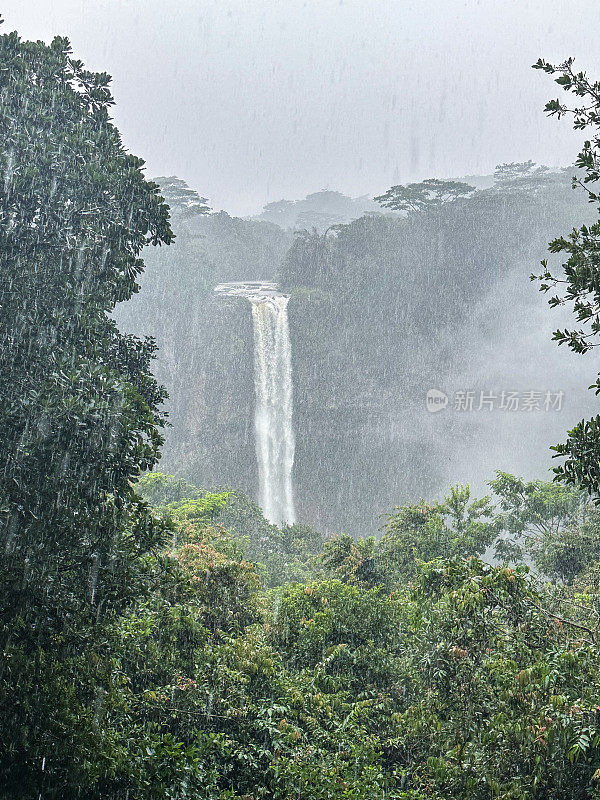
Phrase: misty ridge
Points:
(300, 502)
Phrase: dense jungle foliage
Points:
(162, 640)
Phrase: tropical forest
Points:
(299, 498)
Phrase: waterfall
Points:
(273, 396)
(273, 412)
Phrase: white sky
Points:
(254, 100)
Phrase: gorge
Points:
(380, 311)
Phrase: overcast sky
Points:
(255, 100)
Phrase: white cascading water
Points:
(273, 413)
(273, 390)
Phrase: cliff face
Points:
(381, 311)
(205, 354)
(386, 309)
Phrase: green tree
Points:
(458, 526)
(161, 489)
(282, 555)
(573, 552)
(352, 562)
(500, 697)
(184, 202)
(518, 172)
(579, 282)
(79, 409)
(425, 196)
(537, 518)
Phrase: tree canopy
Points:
(578, 283)
(425, 196)
(80, 411)
(518, 171)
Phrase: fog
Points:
(251, 101)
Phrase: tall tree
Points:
(425, 196)
(518, 171)
(183, 199)
(79, 408)
(579, 282)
